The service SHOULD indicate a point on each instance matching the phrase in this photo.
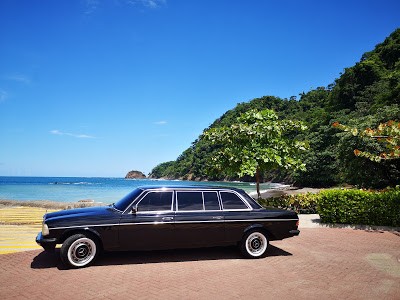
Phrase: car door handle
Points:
(167, 218)
(217, 218)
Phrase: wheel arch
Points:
(89, 232)
(260, 227)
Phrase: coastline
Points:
(285, 191)
(49, 204)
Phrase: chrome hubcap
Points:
(256, 244)
(81, 252)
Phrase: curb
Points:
(314, 221)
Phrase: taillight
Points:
(297, 223)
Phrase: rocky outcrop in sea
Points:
(135, 175)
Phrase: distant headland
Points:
(135, 175)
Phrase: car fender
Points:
(253, 226)
(259, 227)
(73, 231)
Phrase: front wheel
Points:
(78, 251)
(254, 244)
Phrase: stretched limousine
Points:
(167, 217)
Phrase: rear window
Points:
(232, 201)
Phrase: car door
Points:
(198, 219)
(152, 225)
(237, 215)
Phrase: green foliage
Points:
(165, 169)
(364, 96)
(301, 203)
(360, 207)
(387, 134)
(257, 142)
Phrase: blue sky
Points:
(98, 88)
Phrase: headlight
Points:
(45, 229)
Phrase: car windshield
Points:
(124, 202)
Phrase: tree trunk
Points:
(258, 183)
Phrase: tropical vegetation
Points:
(364, 96)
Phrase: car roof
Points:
(249, 199)
(188, 187)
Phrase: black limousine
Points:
(151, 218)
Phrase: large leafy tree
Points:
(257, 142)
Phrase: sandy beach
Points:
(286, 190)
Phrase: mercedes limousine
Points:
(152, 218)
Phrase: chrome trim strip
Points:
(175, 222)
(264, 220)
(197, 211)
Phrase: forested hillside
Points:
(363, 96)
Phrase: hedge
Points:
(345, 206)
(301, 203)
(360, 207)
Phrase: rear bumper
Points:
(42, 241)
(294, 232)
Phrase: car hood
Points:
(79, 216)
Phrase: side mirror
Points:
(133, 210)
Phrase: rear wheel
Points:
(254, 244)
(79, 251)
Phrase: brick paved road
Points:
(322, 263)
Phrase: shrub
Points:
(301, 203)
(360, 207)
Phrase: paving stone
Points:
(321, 263)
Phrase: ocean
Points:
(99, 189)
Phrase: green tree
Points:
(257, 142)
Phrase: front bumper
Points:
(42, 241)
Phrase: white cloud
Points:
(79, 136)
(150, 3)
(161, 123)
(3, 95)
(93, 5)
(18, 78)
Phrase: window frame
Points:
(218, 199)
(155, 211)
(188, 191)
(202, 195)
(249, 208)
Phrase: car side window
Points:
(211, 201)
(190, 201)
(156, 201)
(232, 201)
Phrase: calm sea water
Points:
(99, 189)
